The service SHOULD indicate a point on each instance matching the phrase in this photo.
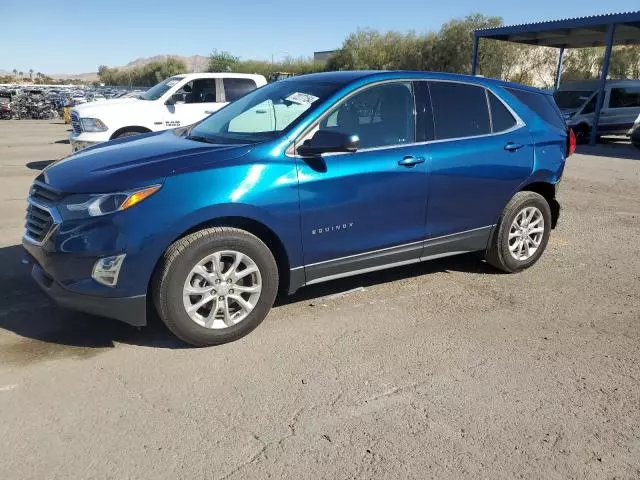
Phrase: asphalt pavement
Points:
(446, 369)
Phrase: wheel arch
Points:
(548, 191)
(253, 226)
(130, 128)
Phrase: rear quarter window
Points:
(541, 104)
(235, 88)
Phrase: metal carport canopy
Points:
(595, 31)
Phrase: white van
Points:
(177, 101)
(621, 106)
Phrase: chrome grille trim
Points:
(75, 122)
(41, 222)
(44, 194)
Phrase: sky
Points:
(60, 36)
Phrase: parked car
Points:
(302, 181)
(621, 106)
(177, 101)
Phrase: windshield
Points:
(160, 89)
(264, 113)
(571, 99)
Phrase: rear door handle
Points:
(410, 161)
(512, 147)
(209, 112)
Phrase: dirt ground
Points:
(441, 370)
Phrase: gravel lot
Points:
(442, 370)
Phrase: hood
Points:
(133, 162)
(88, 109)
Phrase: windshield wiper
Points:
(200, 138)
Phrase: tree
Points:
(448, 50)
(146, 75)
(21, 74)
(31, 74)
(221, 61)
(15, 72)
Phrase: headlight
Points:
(83, 206)
(93, 125)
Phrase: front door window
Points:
(380, 116)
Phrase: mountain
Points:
(194, 63)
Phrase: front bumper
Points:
(131, 310)
(82, 140)
(78, 145)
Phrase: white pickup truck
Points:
(177, 101)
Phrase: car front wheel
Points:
(522, 234)
(215, 285)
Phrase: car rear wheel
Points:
(522, 234)
(215, 286)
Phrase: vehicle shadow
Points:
(611, 147)
(26, 310)
(39, 164)
(63, 142)
(470, 263)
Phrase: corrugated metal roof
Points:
(570, 32)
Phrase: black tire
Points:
(128, 133)
(498, 253)
(183, 255)
(582, 133)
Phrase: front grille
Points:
(75, 122)
(39, 223)
(42, 193)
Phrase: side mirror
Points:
(175, 98)
(327, 141)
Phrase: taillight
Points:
(571, 143)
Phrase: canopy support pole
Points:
(559, 68)
(474, 57)
(611, 30)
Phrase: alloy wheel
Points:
(526, 232)
(222, 289)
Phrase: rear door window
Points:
(542, 104)
(459, 110)
(236, 87)
(501, 118)
(627, 97)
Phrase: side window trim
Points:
(290, 151)
(486, 96)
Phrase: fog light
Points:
(106, 270)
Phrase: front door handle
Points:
(512, 147)
(410, 161)
(209, 112)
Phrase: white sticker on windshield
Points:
(171, 83)
(301, 98)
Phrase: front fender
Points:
(266, 193)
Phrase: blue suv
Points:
(304, 180)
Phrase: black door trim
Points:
(431, 248)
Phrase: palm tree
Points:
(15, 72)
(31, 74)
